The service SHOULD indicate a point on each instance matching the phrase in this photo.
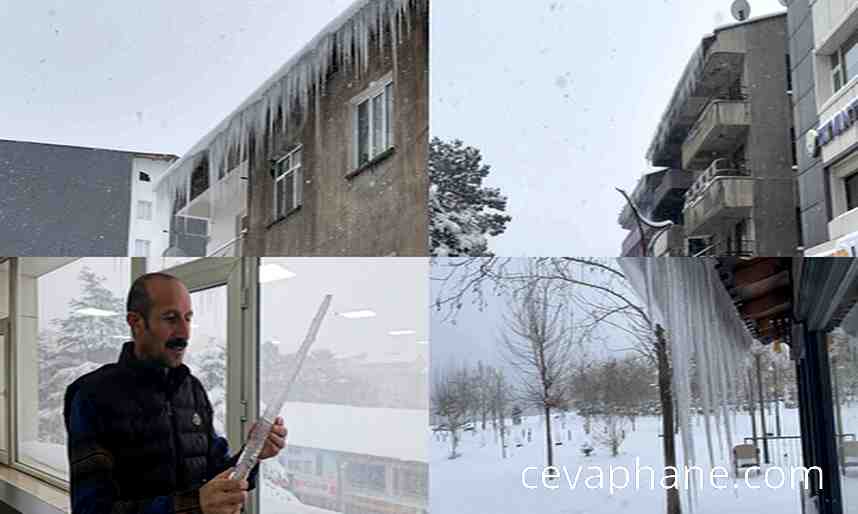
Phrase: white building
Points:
(835, 138)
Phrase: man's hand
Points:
(276, 439)
(222, 495)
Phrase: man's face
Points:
(169, 318)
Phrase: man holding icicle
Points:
(140, 434)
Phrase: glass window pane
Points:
(843, 363)
(358, 413)
(377, 124)
(363, 133)
(388, 113)
(70, 321)
(288, 193)
(851, 184)
(206, 355)
(4, 341)
(279, 193)
(850, 63)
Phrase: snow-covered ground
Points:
(480, 481)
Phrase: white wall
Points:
(153, 230)
(229, 201)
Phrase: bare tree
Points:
(599, 287)
(500, 400)
(451, 402)
(537, 344)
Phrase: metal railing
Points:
(786, 450)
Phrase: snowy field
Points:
(480, 481)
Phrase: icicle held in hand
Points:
(250, 455)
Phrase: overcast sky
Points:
(474, 333)
(147, 76)
(563, 97)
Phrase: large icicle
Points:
(289, 90)
(685, 296)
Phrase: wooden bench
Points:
(745, 456)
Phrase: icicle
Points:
(290, 88)
(705, 331)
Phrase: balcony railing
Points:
(723, 124)
(717, 203)
(731, 248)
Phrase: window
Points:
(141, 248)
(70, 320)
(362, 385)
(287, 183)
(366, 476)
(844, 63)
(412, 482)
(144, 210)
(143, 177)
(851, 183)
(373, 122)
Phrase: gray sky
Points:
(148, 76)
(474, 334)
(562, 97)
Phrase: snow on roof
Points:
(293, 83)
(692, 73)
(392, 433)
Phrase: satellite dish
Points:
(741, 10)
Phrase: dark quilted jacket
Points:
(141, 436)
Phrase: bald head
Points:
(159, 315)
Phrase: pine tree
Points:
(209, 366)
(78, 344)
(463, 212)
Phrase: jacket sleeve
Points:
(93, 488)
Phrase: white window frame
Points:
(383, 88)
(144, 210)
(139, 245)
(293, 172)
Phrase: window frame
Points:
(144, 243)
(383, 88)
(295, 173)
(144, 210)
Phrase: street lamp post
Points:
(660, 226)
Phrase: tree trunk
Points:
(549, 444)
(667, 422)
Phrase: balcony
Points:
(659, 197)
(670, 244)
(714, 203)
(721, 128)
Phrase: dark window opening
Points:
(144, 177)
(851, 183)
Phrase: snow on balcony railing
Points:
(290, 89)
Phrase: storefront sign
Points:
(837, 125)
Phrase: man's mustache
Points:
(176, 343)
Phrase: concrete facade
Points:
(659, 196)
(813, 205)
(830, 142)
(323, 203)
(376, 210)
(729, 124)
